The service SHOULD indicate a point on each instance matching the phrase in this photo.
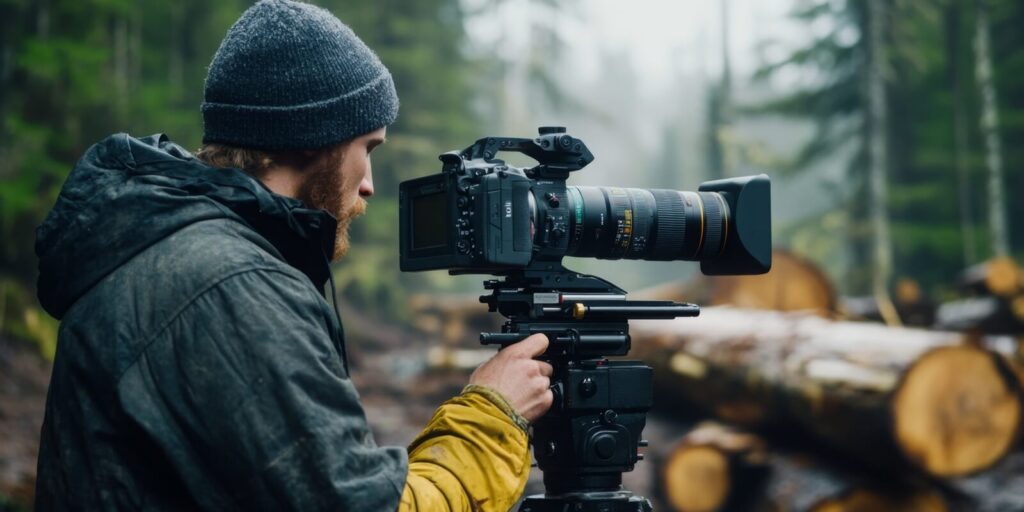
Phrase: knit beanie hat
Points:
(290, 75)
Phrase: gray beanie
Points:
(290, 75)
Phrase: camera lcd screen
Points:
(428, 221)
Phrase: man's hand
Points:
(524, 382)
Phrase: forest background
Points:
(892, 130)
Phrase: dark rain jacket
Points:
(199, 366)
(192, 367)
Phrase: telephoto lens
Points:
(641, 224)
(725, 225)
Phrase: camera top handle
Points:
(556, 152)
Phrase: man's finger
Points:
(545, 368)
(532, 346)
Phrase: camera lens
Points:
(641, 224)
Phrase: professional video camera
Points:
(482, 216)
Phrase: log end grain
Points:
(794, 284)
(1002, 277)
(697, 479)
(713, 467)
(956, 411)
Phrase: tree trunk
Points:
(889, 397)
(953, 14)
(43, 19)
(878, 159)
(176, 69)
(998, 231)
(121, 63)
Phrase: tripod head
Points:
(593, 430)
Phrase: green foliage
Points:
(923, 198)
(74, 71)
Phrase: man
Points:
(199, 365)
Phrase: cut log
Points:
(888, 397)
(719, 468)
(794, 284)
(983, 315)
(998, 276)
(714, 467)
(912, 306)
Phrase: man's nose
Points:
(366, 186)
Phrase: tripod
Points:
(593, 430)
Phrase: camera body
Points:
(480, 215)
(469, 216)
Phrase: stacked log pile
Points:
(719, 468)
(887, 397)
(920, 406)
(991, 301)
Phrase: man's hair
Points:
(258, 161)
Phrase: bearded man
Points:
(199, 365)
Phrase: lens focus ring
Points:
(714, 216)
(671, 226)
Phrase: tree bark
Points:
(878, 159)
(888, 397)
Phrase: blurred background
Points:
(893, 131)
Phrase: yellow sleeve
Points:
(473, 455)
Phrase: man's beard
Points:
(325, 189)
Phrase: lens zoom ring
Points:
(671, 222)
(713, 217)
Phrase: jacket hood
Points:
(126, 194)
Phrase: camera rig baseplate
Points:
(582, 315)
